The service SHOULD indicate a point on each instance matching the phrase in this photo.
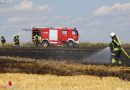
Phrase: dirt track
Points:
(74, 54)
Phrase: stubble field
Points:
(53, 82)
(32, 74)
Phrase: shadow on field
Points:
(33, 66)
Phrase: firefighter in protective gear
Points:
(115, 47)
(16, 40)
(3, 41)
(37, 40)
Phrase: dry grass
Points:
(52, 82)
(33, 66)
(55, 75)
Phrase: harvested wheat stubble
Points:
(27, 65)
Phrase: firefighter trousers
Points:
(116, 57)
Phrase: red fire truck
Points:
(56, 36)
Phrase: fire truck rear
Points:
(56, 36)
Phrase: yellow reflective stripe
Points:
(39, 38)
(119, 41)
(116, 49)
(116, 42)
(113, 60)
(113, 54)
(119, 62)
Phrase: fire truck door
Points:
(53, 35)
(64, 35)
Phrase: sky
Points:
(94, 19)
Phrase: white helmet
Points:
(112, 34)
(16, 35)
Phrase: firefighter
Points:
(3, 41)
(16, 40)
(37, 40)
(115, 47)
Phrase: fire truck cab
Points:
(56, 36)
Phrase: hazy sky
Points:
(94, 19)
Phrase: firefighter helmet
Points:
(16, 35)
(112, 34)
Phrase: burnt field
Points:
(76, 55)
(63, 61)
(33, 66)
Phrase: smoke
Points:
(101, 57)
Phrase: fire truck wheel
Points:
(45, 44)
(70, 44)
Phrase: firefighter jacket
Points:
(37, 38)
(3, 40)
(16, 39)
(115, 45)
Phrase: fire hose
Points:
(125, 53)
